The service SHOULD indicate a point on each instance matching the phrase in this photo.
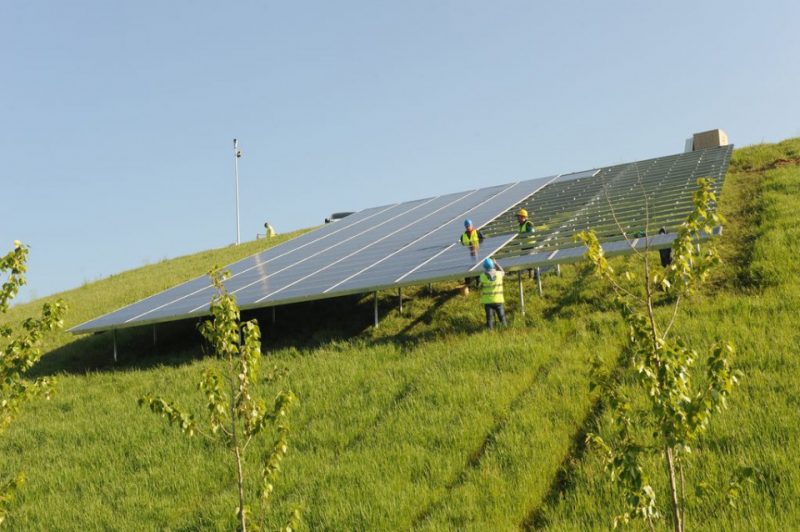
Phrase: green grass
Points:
(428, 422)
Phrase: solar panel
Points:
(442, 238)
(417, 241)
(326, 262)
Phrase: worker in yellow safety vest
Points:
(491, 281)
(471, 237)
(525, 225)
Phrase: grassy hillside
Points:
(428, 422)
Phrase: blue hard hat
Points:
(467, 222)
(488, 263)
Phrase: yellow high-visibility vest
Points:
(526, 227)
(492, 291)
(470, 239)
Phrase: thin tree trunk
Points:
(242, 517)
(239, 475)
(676, 511)
(683, 493)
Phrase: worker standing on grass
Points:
(269, 232)
(492, 292)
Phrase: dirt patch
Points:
(783, 162)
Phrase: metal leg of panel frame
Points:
(114, 339)
(400, 299)
(558, 270)
(430, 289)
(155, 335)
(273, 315)
(539, 281)
(521, 292)
(375, 308)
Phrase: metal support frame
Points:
(521, 292)
(400, 300)
(273, 315)
(539, 281)
(114, 339)
(375, 308)
(155, 335)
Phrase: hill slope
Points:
(429, 421)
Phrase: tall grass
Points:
(428, 422)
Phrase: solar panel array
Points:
(368, 250)
(417, 241)
(613, 198)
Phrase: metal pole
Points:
(400, 298)
(114, 337)
(155, 336)
(236, 154)
(273, 315)
(375, 308)
(539, 281)
(521, 292)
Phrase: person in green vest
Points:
(525, 232)
(525, 225)
(491, 281)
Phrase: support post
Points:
(375, 307)
(430, 289)
(155, 335)
(273, 315)
(539, 281)
(558, 270)
(400, 299)
(114, 339)
(521, 292)
(236, 154)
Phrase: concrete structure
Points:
(709, 139)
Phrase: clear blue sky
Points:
(118, 117)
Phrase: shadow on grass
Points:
(423, 328)
(564, 479)
(136, 349)
(577, 297)
(304, 326)
(739, 249)
(475, 458)
(403, 393)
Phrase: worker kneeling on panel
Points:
(491, 281)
